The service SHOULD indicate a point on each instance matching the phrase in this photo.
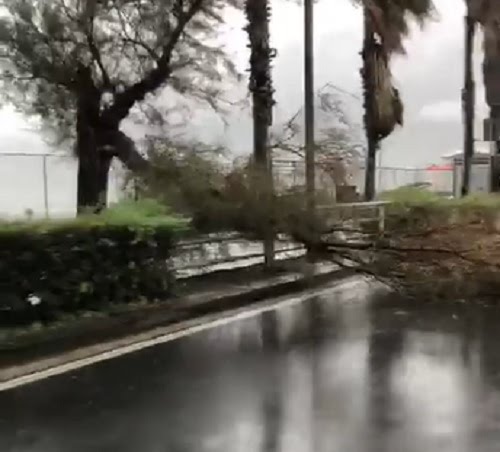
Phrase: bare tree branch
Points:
(155, 78)
(144, 46)
(96, 55)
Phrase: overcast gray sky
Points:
(429, 78)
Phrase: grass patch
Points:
(417, 208)
(411, 196)
(146, 213)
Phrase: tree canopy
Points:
(391, 19)
(128, 48)
(487, 14)
(82, 65)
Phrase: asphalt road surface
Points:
(340, 372)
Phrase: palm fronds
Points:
(391, 19)
(487, 14)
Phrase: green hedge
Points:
(50, 268)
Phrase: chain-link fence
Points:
(43, 185)
(389, 178)
(290, 173)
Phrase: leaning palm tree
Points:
(386, 24)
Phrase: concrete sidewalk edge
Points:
(126, 332)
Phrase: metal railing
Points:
(227, 251)
(358, 213)
(233, 250)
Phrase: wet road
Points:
(338, 373)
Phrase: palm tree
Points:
(261, 87)
(386, 24)
(487, 14)
(468, 96)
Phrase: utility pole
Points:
(468, 101)
(309, 107)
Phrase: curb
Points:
(103, 335)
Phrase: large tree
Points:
(386, 24)
(83, 65)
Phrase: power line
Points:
(342, 90)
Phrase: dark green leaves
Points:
(84, 264)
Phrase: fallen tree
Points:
(433, 249)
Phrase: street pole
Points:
(468, 100)
(309, 107)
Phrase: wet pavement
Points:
(339, 372)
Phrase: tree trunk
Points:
(491, 79)
(260, 77)
(99, 139)
(93, 166)
(258, 12)
(92, 185)
(367, 75)
(468, 105)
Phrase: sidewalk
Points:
(210, 294)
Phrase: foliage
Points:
(83, 66)
(436, 248)
(391, 19)
(449, 260)
(186, 176)
(409, 196)
(219, 196)
(338, 139)
(386, 24)
(416, 208)
(51, 267)
(146, 212)
(130, 47)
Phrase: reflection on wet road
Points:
(336, 373)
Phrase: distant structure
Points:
(480, 171)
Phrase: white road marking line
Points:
(203, 325)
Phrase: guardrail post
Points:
(269, 251)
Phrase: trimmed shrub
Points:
(50, 268)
